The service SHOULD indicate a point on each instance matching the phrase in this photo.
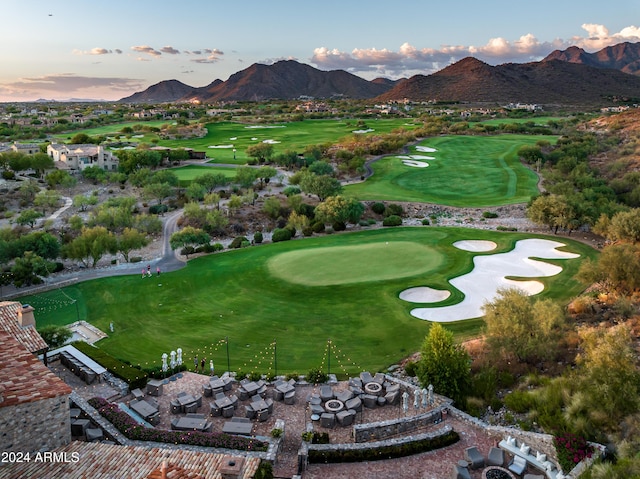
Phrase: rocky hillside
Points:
(623, 56)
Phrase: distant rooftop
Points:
(11, 314)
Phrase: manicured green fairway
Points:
(295, 136)
(473, 171)
(114, 130)
(187, 173)
(236, 295)
(358, 264)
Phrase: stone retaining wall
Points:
(381, 430)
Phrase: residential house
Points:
(79, 157)
(34, 402)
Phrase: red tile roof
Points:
(28, 336)
(92, 460)
(23, 377)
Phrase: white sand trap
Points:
(415, 164)
(138, 136)
(271, 142)
(422, 157)
(490, 274)
(254, 139)
(424, 294)
(256, 127)
(359, 132)
(233, 139)
(475, 245)
(425, 149)
(221, 146)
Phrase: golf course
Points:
(471, 171)
(337, 293)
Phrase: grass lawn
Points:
(537, 120)
(290, 136)
(187, 173)
(114, 130)
(472, 171)
(303, 293)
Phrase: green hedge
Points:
(134, 377)
(384, 452)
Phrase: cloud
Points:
(68, 85)
(169, 50)
(213, 55)
(409, 60)
(95, 51)
(147, 49)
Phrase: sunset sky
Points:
(62, 49)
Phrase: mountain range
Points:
(565, 77)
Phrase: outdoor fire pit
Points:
(334, 405)
(373, 388)
(496, 472)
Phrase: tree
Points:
(28, 217)
(60, 177)
(625, 226)
(83, 201)
(272, 207)
(618, 267)
(131, 239)
(165, 176)
(195, 192)
(91, 245)
(322, 186)
(321, 168)
(521, 328)
(28, 269)
(445, 364)
(189, 236)
(28, 190)
(158, 191)
(265, 173)
(607, 375)
(211, 181)
(47, 199)
(55, 336)
(41, 162)
(246, 176)
(262, 152)
(95, 174)
(339, 209)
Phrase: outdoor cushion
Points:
(496, 457)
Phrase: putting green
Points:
(376, 261)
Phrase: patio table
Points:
(223, 402)
(190, 424)
(251, 387)
(217, 384)
(143, 408)
(237, 426)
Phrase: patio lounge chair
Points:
(517, 465)
(460, 472)
(473, 457)
(496, 457)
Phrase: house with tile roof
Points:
(80, 460)
(18, 320)
(79, 157)
(34, 402)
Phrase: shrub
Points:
(384, 452)
(135, 259)
(158, 209)
(378, 208)
(426, 222)
(315, 376)
(393, 220)
(571, 450)
(265, 471)
(339, 226)
(8, 175)
(257, 237)
(320, 438)
(291, 190)
(489, 214)
(281, 234)
(237, 242)
(506, 228)
(137, 432)
(187, 250)
(318, 227)
(394, 209)
(411, 368)
(276, 432)
(519, 401)
(134, 377)
(307, 231)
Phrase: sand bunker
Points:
(415, 164)
(424, 294)
(490, 273)
(475, 245)
(233, 139)
(221, 146)
(255, 127)
(270, 142)
(425, 149)
(254, 139)
(358, 132)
